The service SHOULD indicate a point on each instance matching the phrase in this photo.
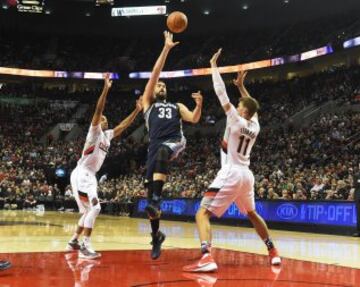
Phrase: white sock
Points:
(86, 241)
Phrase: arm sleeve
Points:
(219, 87)
(233, 118)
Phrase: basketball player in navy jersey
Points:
(164, 123)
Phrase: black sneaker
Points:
(4, 265)
(152, 211)
(73, 245)
(156, 242)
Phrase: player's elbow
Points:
(195, 120)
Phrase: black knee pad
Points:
(154, 198)
(162, 160)
(148, 185)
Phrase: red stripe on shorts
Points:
(210, 194)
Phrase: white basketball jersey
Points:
(96, 147)
(223, 154)
(241, 136)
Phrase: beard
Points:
(161, 96)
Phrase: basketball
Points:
(177, 22)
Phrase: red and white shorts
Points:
(233, 183)
(84, 187)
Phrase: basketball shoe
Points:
(157, 240)
(73, 245)
(86, 252)
(274, 257)
(205, 264)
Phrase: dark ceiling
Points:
(69, 16)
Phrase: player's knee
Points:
(96, 207)
(252, 215)
(164, 153)
(94, 201)
(201, 213)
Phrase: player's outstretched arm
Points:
(239, 83)
(101, 101)
(219, 85)
(118, 130)
(159, 65)
(195, 115)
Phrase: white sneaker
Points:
(86, 252)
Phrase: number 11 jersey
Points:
(241, 136)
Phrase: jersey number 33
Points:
(165, 113)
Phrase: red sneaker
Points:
(274, 257)
(205, 264)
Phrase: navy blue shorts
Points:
(175, 145)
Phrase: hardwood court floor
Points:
(35, 243)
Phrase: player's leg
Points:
(246, 204)
(215, 201)
(159, 172)
(204, 228)
(263, 231)
(73, 244)
(86, 250)
(158, 162)
(93, 209)
(159, 166)
(153, 211)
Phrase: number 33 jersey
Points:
(240, 136)
(163, 121)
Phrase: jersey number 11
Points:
(244, 141)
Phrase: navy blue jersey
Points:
(163, 121)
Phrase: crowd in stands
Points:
(315, 162)
(138, 54)
(312, 162)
